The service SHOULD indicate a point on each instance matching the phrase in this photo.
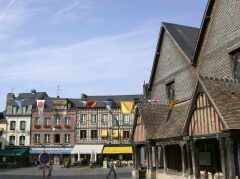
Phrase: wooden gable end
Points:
(204, 119)
(140, 132)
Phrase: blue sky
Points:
(96, 47)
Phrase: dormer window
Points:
(24, 109)
(235, 56)
(14, 109)
(170, 90)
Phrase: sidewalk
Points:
(84, 172)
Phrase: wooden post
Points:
(183, 159)
(164, 158)
(223, 163)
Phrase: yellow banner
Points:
(126, 107)
(172, 104)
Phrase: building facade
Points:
(51, 133)
(97, 134)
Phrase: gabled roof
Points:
(225, 96)
(152, 117)
(202, 32)
(184, 36)
(175, 125)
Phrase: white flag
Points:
(40, 106)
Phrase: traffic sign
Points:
(44, 158)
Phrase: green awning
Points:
(11, 151)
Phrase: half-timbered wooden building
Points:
(201, 138)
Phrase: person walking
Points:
(111, 169)
(50, 168)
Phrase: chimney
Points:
(10, 98)
(83, 96)
(33, 91)
(145, 86)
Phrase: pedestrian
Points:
(50, 168)
(111, 164)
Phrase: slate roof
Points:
(186, 37)
(175, 125)
(78, 102)
(225, 95)
(115, 98)
(29, 98)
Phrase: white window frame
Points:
(83, 119)
(104, 118)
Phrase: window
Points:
(36, 138)
(22, 125)
(126, 118)
(11, 140)
(14, 109)
(236, 64)
(22, 140)
(116, 117)
(12, 125)
(170, 89)
(57, 138)
(47, 138)
(67, 138)
(126, 134)
(83, 118)
(47, 121)
(83, 134)
(24, 109)
(104, 118)
(67, 121)
(37, 121)
(57, 121)
(93, 134)
(94, 119)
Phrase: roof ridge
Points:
(218, 79)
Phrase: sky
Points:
(96, 47)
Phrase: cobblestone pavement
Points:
(70, 173)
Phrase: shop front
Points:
(86, 154)
(56, 154)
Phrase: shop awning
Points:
(50, 150)
(1, 129)
(87, 149)
(115, 133)
(12, 151)
(104, 133)
(117, 150)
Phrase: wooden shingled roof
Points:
(154, 120)
(174, 126)
(225, 96)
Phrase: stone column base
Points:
(151, 175)
(135, 174)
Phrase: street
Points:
(71, 173)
